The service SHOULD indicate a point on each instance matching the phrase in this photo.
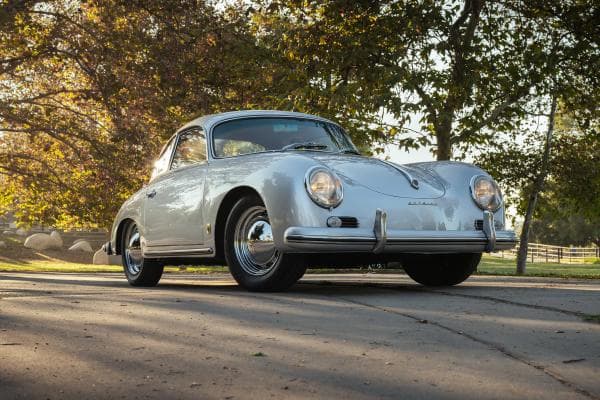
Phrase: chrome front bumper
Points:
(381, 240)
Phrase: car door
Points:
(173, 217)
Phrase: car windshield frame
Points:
(341, 148)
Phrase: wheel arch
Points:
(233, 196)
(119, 235)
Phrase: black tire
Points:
(139, 270)
(440, 269)
(255, 263)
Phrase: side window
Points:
(191, 149)
(162, 164)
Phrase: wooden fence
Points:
(537, 252)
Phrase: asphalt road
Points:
(67, 336)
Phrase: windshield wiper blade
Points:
(304, 145)
(349, 151)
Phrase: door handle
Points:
(151, 194)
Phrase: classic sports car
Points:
(271, 193)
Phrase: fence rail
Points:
(537, 252)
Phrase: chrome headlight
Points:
(486, 193)
(324, 187)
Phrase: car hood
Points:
(382, 176)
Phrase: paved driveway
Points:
(330, 337)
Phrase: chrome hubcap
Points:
(254, 246)
(133, 251)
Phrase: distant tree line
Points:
(90, 90)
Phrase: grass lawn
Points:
(489, 266)
(498, 266)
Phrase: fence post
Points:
(570, 255)
(546, 255)
(559, 253)
(531, 254)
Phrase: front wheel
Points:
(440, 269)
(250, 252)
(139, 270)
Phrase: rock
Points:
(40, 241)
(22, 232)
(56, 238)
(101, 258)
(78, 240)
(2, 245)
(82, 246)
(6, 233)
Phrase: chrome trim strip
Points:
(314, 240)
(181, 252)
(390, 241)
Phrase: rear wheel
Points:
(250, 251)
(440, 269)
(139, 270)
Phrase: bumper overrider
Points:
(107, 248)
(381, 240)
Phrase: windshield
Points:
(256, 135)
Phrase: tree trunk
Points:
(444, 147)
(443, 132)
(538, 186)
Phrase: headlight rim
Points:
(312, 196)
(474, 180)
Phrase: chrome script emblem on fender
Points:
(422, 203)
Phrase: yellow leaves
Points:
(175, 111)
(122, 23)
(211, 39)
(231, 94)
(290, 55)
(91, 13)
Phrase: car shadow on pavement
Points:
(201, 333)
(479, 288)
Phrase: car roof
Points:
(208, 121)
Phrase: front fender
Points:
(277, 178)
(456, 177)
(132, 209)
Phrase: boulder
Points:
(101, 258)
(2, 245)
(82, 246)
(7, 233)
(78, 240)
(40, 241)
(57, 238)
(22, 232)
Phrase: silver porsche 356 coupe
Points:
(271, 193)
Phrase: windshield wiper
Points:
(349, 151)
(304, 145)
